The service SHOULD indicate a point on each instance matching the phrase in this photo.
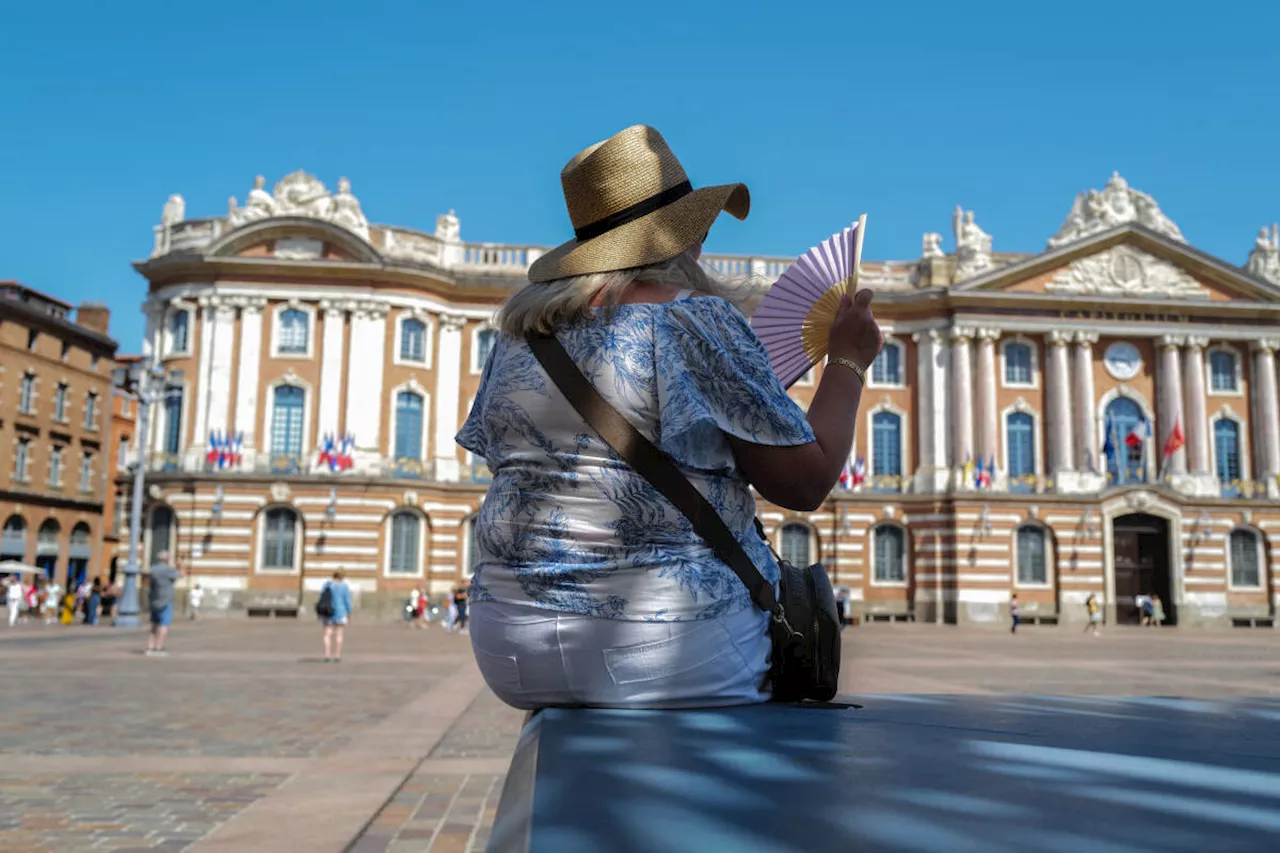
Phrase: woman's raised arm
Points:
(801, 477)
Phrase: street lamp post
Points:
(148, 378)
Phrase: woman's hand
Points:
(854, 333)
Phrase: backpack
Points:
(324, 607)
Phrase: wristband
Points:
(858, 370)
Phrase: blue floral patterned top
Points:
(566, 524)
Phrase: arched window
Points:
(409, 415)
(1017, 365)
(472, 548)
(13, 542)
(1226, 453)
(78, 555)
(887, 368)
(293, 332)
(1246, 559)
(794, 539)
(287, 408)
(413, 340)
(1032, 565)
(890, 554)
(1222, 371)
(1125, 441)
(886, 451)
(162, 529)
(279, 539)
(485, 339)
(47, 547)
(179, 332)
(1020, 430)
(406, 533)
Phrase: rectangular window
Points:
(60, 404)
(122, 454)
(32, 337)
(293, 332)
(1017, 364)
(887, 368)
(91, 411)
(1031, 563)
(27, 399)
(413, 340)
(66, 350)
(1244, 560)
(55, 466)
(179, 335)
(21, 461)
(1222, 371)
(86, 472)
(117, 519)
(890, 567)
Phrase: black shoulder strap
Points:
(652, 464)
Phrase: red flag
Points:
(1176, 441)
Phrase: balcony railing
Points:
(289, 464)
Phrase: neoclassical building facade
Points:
(1096, 418)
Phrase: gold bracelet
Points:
(858, 370)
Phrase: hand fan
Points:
(795, 316)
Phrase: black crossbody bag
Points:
(804, 625)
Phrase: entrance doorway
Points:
(1142, 566)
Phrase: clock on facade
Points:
(1122, 360)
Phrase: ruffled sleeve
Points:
(714, 380)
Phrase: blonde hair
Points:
(545, 307)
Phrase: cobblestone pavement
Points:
(121, 812)
(241, 740)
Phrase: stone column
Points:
(1169, 412)
(988, 417)
(152, 353)
(223, 346)
(1265, 413)
(1196, 425)
(1087, 461)
(364, 386)
(1057, 424)
(249, 374)
(934, 472)
(448, 391)
(961, 404)
(332, 367)
(199, 384)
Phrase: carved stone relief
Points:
(1126, 271)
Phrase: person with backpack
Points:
(334, 610)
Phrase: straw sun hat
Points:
(631, 204)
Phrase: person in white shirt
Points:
(13, 598)
(193, 602)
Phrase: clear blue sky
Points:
(826, 110)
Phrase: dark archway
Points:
(1143, 565)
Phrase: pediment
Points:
(294, 239)
(1127, 263)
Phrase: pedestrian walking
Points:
(1095, 615)
(1157, 611)
(194, 600)
(1013, 612)
(160, 592)
(460, 605)
(334, 609)
(13, 598)
(93, 603)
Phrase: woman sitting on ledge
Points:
(591, 589)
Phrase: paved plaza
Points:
(242, 739)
